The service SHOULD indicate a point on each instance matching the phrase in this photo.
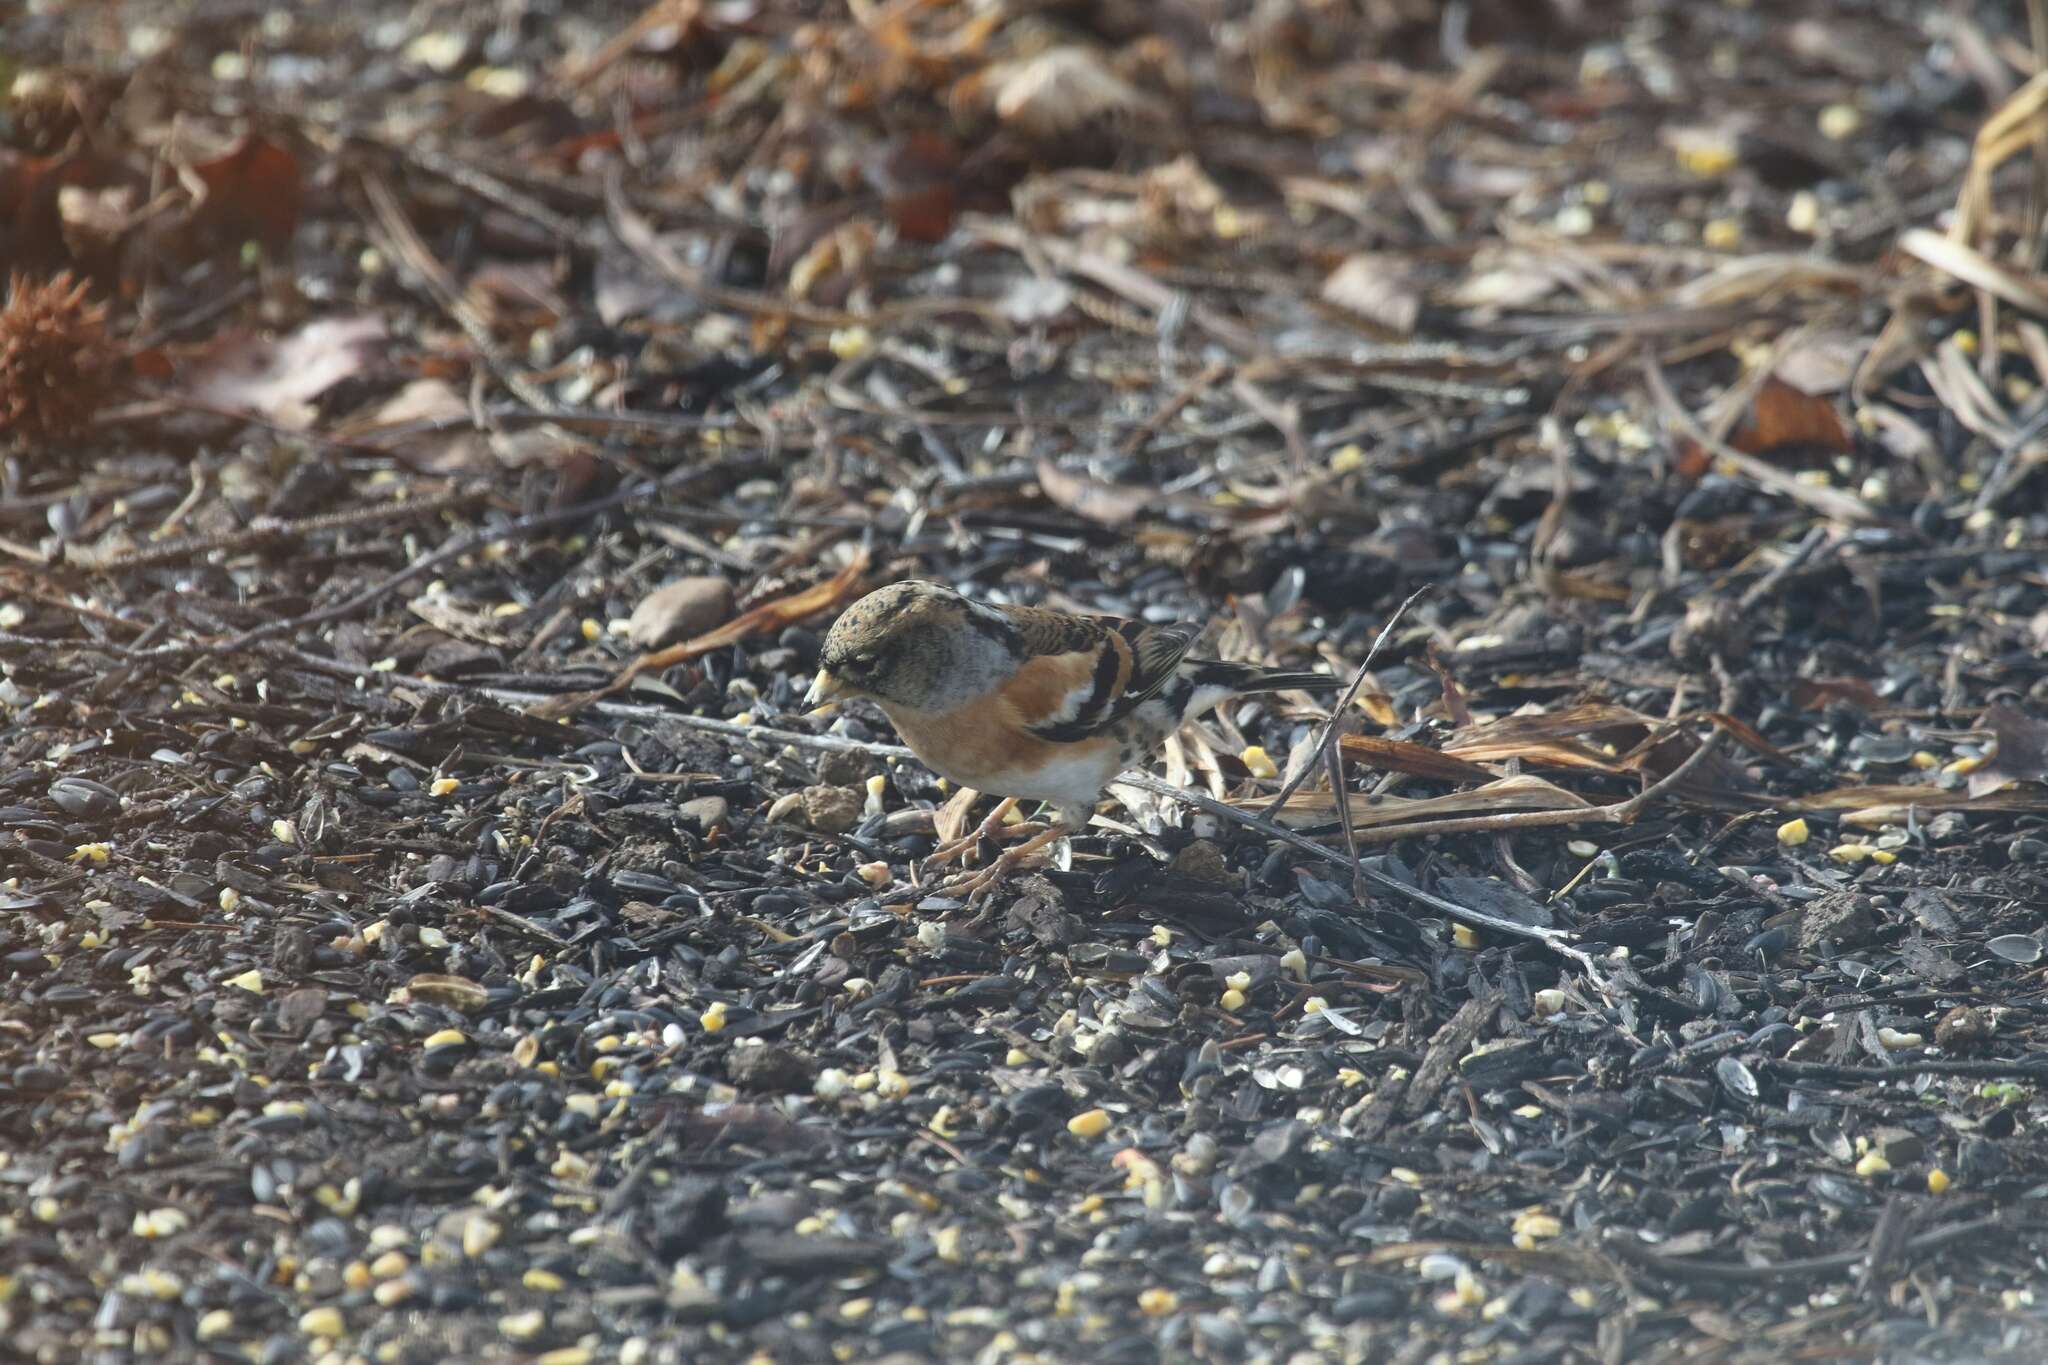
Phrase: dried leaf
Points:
(1417, 760)
(2022, 750)
(1378, 287)
(1506, 279)
(423, 401)
(1107, 504)
(1523, 791)
(680, 608)
(1035, 299)
(32, 192)
(279, 379)
(1455, 705)
(462, 620)
(773, 615)
(1180, 201)
(1888, 803)
(1552, 737)
(2023, 289)
(1814, 693)
(1823, 362)
(255, 189)
(1783, 416)
(1059, 90)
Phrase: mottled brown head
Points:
(916, 645)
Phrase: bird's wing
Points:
(1082, 673)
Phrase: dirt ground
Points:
(437, 437)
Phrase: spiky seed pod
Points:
(54, 357)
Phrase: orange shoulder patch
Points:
(1051, 685)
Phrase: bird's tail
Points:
(1242, 678)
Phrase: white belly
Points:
(1078, 776)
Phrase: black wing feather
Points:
(1156, 651)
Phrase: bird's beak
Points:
(825, 692)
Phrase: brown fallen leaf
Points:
(278, 378)
(1417, 760)
(1782, 417)
(1520, 792)
(252, 190)
(1505, 278)
(918, 178)
(1554, 737)
(776, 614)
(675, 17)
(1455, 705)
(1616, 740)
(1888, 803)
(1057, 91)
(454, 445)
(461, 620)
(680, 608)
(1107, 504)
(1823, 362)
(1748, 737)
(30, 190)
(1378, 287)
(2022, 750)
(1812, 694)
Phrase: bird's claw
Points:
(961, 847)
(966, 843)
(976, 886)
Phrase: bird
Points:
(1024, 702)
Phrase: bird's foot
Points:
(987, 829)
(975, 886)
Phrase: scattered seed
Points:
(1089, 1123)
(1157, 1302)
(524, 1326)
(479, 1234)
(325, 1321)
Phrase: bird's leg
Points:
(975, 885)
(946, 853)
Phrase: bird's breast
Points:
(974, 748)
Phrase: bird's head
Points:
(892, 646)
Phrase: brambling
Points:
(1024, 702)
